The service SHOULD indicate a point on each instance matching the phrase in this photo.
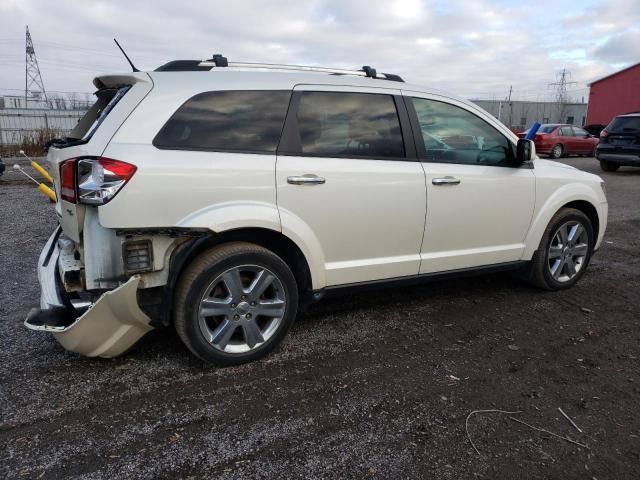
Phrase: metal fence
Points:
(28, 123)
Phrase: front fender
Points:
(559, 198)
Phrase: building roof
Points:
(615, 73)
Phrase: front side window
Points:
(454, 135)
(344, 124)
(578, 132)
(237, 120)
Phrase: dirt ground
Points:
(374, 385)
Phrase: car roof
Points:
(236, 78)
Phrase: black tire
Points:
(608, 166)
(539, 273)
(557, 151)
(197, 278)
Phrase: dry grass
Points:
(32, 143)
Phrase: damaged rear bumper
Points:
(108, 328)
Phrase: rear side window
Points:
(624, 124)
(344, 124)
(243, 121)
(106, 99)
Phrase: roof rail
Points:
(220, 61)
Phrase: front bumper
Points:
(108, 328)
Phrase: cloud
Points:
(475, 49)
(621, 48)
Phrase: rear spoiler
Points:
(118, 80)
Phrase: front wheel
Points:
(608, 166)
(564, 252)
(235, 303)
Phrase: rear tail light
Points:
(540, 139)
(68, 180)
(93, 181)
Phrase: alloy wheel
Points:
(568, 251)
(242, 308)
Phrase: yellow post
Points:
(42, 171)
(47, 191)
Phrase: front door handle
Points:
(446, 181)
(307, 179)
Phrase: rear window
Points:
(243, 121)
(107, 98)
(624, 124)
(546, 128)
(343, 124)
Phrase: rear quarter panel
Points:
(188, 188)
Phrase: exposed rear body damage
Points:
(219, 197)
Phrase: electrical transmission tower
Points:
(561, 86)
(561, 92)
(33, 84)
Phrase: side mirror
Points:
(525, 150)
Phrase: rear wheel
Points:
(235, 303)
(564, 252)
(608, 166)
(557, 151)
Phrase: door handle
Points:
(307, 179)
(446, 181)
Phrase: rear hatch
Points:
(117, 96)
(622, 132)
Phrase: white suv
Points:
(220, 197)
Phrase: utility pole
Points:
(561, 90)
(510, 107)
(33, 83)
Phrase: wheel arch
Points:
(590, 211)
(576, 196)
(272, 240)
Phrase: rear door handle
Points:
(446, 181)
(306, 179)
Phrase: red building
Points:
(613, 95)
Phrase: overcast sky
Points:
(474, 48)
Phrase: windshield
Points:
(624, 124)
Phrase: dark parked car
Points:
(561, 140)
(620, 143)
